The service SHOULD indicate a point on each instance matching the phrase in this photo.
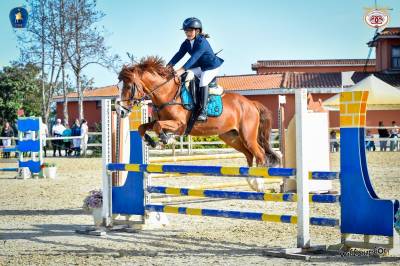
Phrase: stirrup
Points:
(202, 117)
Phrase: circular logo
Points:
(18, 17)
(376, 18)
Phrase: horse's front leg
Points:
(142, 131)
(162, 126)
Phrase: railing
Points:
(188, 146)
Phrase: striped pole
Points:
(8, 169)
(212, 170)
(224, 194)
(206, 170)
(258, 216)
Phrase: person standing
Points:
(67, 143)
(76, 132)
(383, 133)
(333, 141)
(57, 132)
(370, 143)
(85, 135)
(8, 133)
(394, 134)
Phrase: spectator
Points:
(333, 141)
(370, 143)
(67, 142)
(57, 132)
(383, 133)
(85, 135)
(7, 132)
(76, 143)
(44, 132)
(394, 134)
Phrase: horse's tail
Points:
(264, 131)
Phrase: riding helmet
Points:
(192, 23)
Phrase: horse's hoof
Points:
(164, 138)
(149, 141)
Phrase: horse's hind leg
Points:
(248, 132)
(233, 139)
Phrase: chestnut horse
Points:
(244, 125)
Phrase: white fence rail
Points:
(188, 146)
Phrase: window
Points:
(396, 57)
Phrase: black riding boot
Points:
(203, 101)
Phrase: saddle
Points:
(190, 90)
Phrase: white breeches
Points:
(205, 76)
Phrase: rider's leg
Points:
(193, 89)
(206, 77)
(196, 71)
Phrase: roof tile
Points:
(321, 62)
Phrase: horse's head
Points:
(140, 81)
(130, 89)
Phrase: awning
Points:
(382, 96)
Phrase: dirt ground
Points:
(38, 218)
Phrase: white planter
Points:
(97, 216)
(50, 172)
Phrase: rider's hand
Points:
(179, 72)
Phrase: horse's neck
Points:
(166, 93)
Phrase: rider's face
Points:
(190, 34)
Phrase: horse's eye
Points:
(120, 85)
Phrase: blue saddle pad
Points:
(214, 107)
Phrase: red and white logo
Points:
(376, 18)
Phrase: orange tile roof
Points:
(312, 80)
(305, 63)
(108, 91)
(287, 80)
(250, 82)
(390, 32)
(387, 33)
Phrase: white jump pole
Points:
(106, 155)
(303, 204)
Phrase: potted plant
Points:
(49, 170)
(93, 203)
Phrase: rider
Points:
(203, 62)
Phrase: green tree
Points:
(19, 89)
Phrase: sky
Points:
(246, 30)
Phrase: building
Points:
(313, 66)
(323, 79)
(91, 105)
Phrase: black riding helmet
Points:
(192, 23)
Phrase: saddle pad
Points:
(214, 107)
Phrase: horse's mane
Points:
(152, 64)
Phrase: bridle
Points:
(146, 96)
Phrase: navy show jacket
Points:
(202, 55)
